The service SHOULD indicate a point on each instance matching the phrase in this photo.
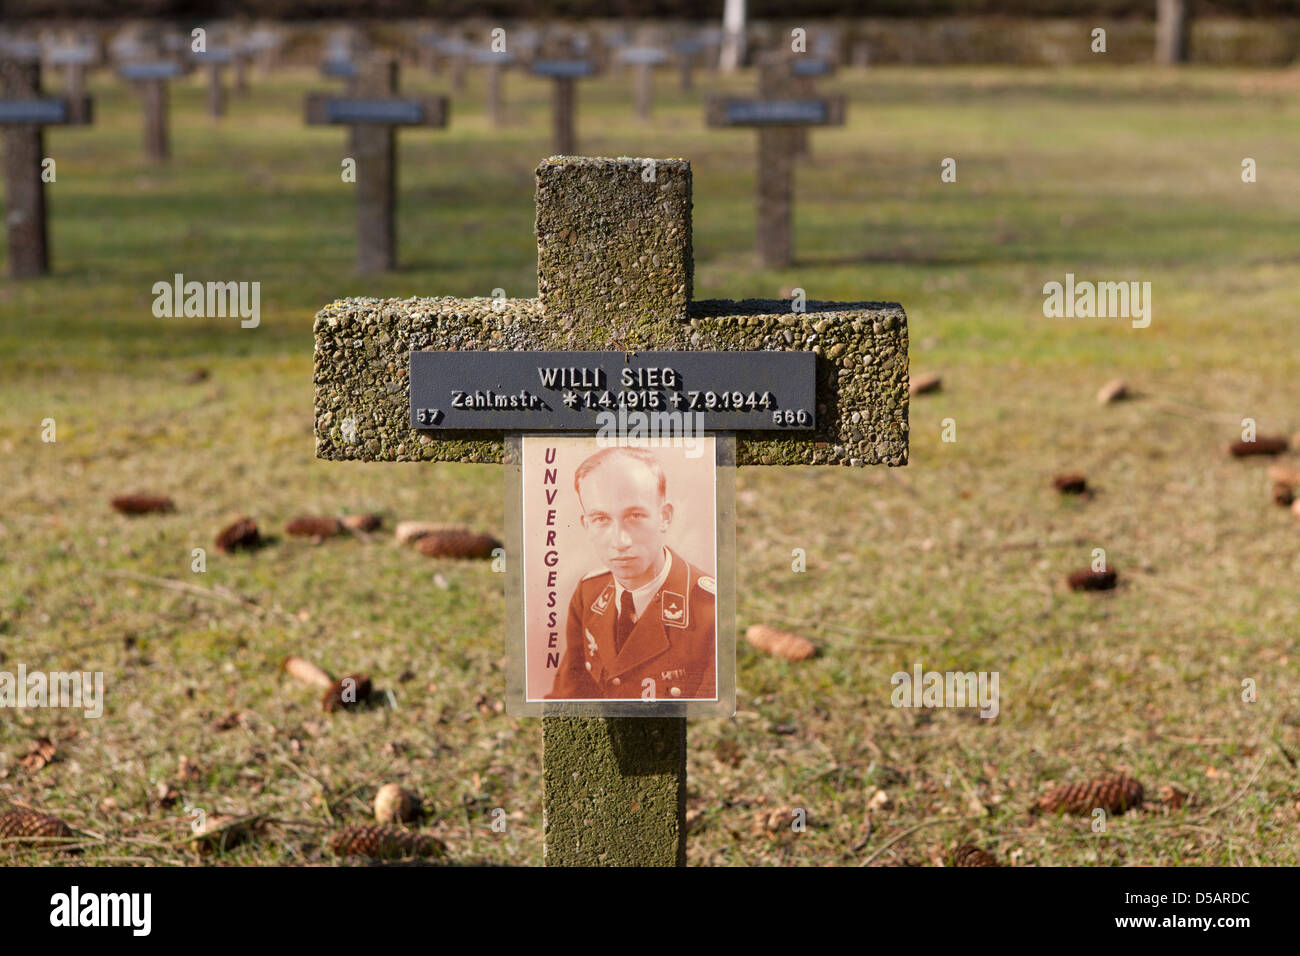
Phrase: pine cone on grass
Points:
(221, 833)
(385, 843)
(968, 854)
(457, 543)
(924, 384)
(362, 522)
(143, 504)
(1262, 445)
(310, 526)
(29, 826)
(1089, 580)
(347, 693)
(1112, 794)
(792, 647)
(1070, 484)
(242, 533)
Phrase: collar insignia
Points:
(599, 605)
(674, 609)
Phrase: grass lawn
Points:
(955, 562)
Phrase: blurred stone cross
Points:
(74, 60)
(794, 76)
(563, 120)
(615, 265)
(645, 59)
(151, 78)
(373, 112)
(495, 64)
(24, 114)
(340, 68)
(687, 49)
(216, 61)
(779, 114)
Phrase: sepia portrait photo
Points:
(618, 561)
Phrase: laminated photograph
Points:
(619, 558)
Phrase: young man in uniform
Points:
(642, 626)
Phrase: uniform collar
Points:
(643, 595)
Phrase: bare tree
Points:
(732, 54)
(1171, 31)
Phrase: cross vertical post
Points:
(376, 166)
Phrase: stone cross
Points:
(455, 53)
(645, 59)
(151, 77)
(563, 120)
(496, 64)
(687, 49)
(777, 119)
(74, 60)
(615, 264)
(216, 60)
(24, 114)
(373, 115)
(342, 69)
(793, 77)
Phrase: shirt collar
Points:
(642, 596)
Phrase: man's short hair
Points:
(645, 457)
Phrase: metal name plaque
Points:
(777, 112)
(36, 112)
(811, 67)
(72, 56)
(647, 56)
(563, 68)
(342, 68)
(569, 391)
(218, 56)
(150, 71)
(384, 112)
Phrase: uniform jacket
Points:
(672, 643)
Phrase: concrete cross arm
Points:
(615, 273)
(363, 351)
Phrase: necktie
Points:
(623, 626)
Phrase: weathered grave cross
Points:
(778, 119)
(614, 272)
(645, 59)
(496, 64)
(151, 77)
(563, 72)
(216, 60)
(23, 114)
(74, 60)
(373, 114)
